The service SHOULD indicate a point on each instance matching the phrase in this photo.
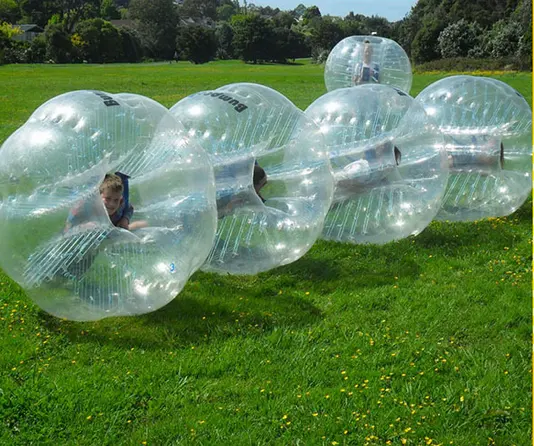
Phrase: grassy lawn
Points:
(425, 341)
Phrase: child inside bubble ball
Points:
(114, 192)
(366, 71)
(114, 195)
(226, 204)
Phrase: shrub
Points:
(58, 44)
(36, 51)
(97, 41)
(15, 52)
(468, 64)
(131, 45)
(197, 44)
(459, 38)
(503, 39)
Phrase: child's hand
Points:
(123, 223)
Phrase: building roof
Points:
(125, 23)
(30, 28)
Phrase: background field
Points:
(425, 341)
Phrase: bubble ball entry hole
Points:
(366, 170)
(483, 153)
(488, 130)
(243, 126)
(58, 241)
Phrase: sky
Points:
(392, 10)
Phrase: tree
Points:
(326, 35)
(224, 36)
(311, 13)
(297, 45)
(72, 11)
(58, 44)
(378, 25)
(225, 12)
(425, 44)
(459, 39)
(283, 19)
(352, 25)
(279, 48)
(197, 44)
(131, 45)
(503, 39)
(156, 22)
(37, 11)
(523, 16)
(252, 37)
(109, 11)
(199, 9)
(9, 11)
(98, 41)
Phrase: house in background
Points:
(29, 32)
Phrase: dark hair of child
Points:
(113, 183)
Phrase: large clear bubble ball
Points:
(359, 60)
(58, 239)
(389, 163)
(488, 125)
(273, 178)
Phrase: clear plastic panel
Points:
(359, 60)
(389, 163)
(488, 127)
(243, 126)
(58, 241)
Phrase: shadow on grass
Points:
(200, 314)
(344, 267)
(213, 307)
(460, 237)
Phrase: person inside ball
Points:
(227, 203)
(114, 194)
(259, 180)
(366, 71)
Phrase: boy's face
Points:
(112, 201)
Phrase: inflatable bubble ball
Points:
(69, 180)
(359, 60)
(273, 178)
(389, 163)
(488, 125)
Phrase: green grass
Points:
(422, 341)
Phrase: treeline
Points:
(104, 31)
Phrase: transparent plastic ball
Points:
(273, 178)
(58, 241)
(389, 163)
(359, 60)
(488, 126)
